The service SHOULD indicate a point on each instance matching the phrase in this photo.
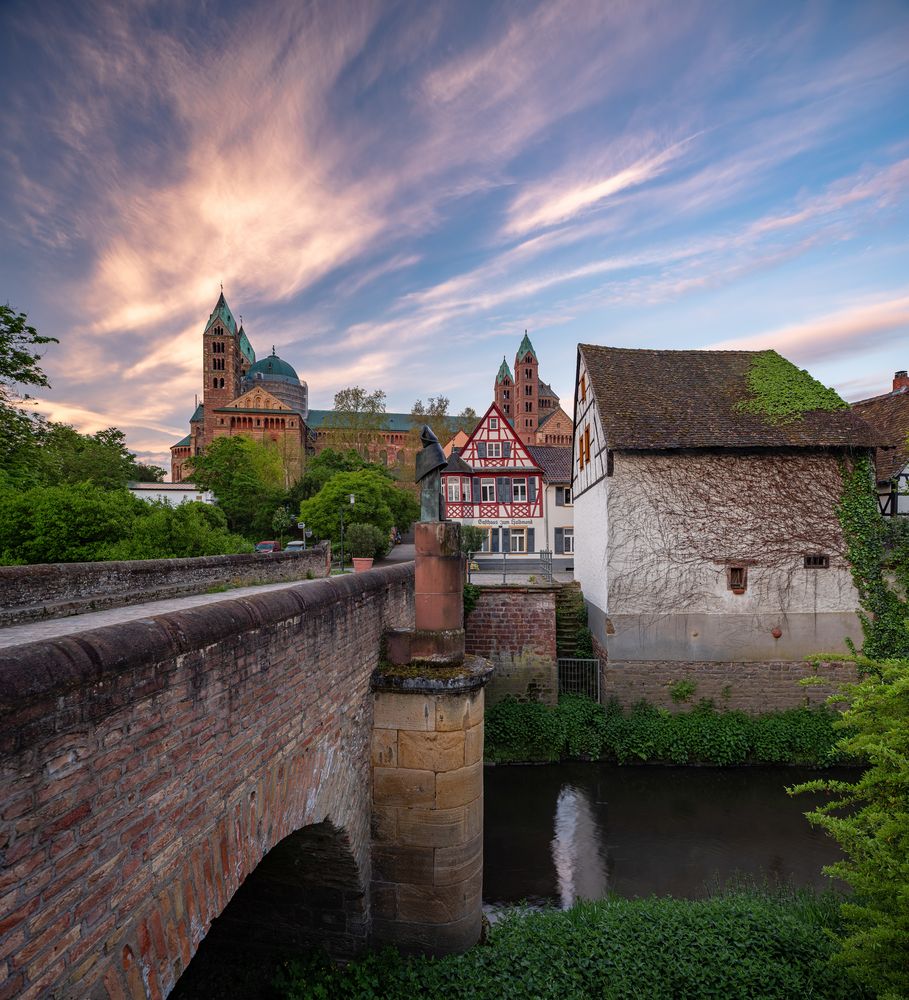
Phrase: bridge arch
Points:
(152, 767)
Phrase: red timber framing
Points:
(497, 484)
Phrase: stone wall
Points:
(749, 687)
(29, 593)
(147, 769)
(515, 628)
(427, 755)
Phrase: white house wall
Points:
(678, 521)
(590, 490)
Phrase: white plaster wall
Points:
(590, 538)
(668, 550)
(173, 496)
(556, 517)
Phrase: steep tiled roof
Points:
(549, 414)
(456, 464)
(182, 443)
(888, 414)
(556, 462)
(546, 390)
(222, 312)
(689, 399)
(198, 414)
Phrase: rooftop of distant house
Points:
(889, 414)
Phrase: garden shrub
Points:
(739, 944)
(580, 728)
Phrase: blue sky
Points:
(392, 192)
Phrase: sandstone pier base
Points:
(427, 765)
(427, 836)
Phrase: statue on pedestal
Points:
(430, 462)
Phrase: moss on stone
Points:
(422, 669)
(782, 393)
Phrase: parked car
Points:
(298, 545)
(270, 546)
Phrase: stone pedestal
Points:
(427, 765)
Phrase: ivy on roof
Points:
(782, 393)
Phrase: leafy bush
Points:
(579, 727)
(869, 818)
(85, 523)
(471, 597)
(740, 944)
(471, 538)
(366, 541)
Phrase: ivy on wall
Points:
(884, 610)
(782, 393)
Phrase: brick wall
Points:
(750, 687)
(29, 593)
(148, 767)
(515, 627)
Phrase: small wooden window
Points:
(737, 579)
(817, 561)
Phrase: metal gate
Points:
(579, 677)
(546, 564)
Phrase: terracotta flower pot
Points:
(360, 564)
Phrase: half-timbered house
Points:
(494, 482)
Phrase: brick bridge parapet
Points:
(148, 767)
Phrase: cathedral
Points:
(530, 404)
(264, 400)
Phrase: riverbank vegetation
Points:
(580, 729)
(738, 944)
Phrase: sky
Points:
(391, 193)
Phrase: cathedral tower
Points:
(504, 390)
(226, 357)
(526, 395)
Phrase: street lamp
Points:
(351, 498)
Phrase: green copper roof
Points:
(245, 347)
(525, 348)
(401, 422)
(504, 372)
(222, 312)
(197, 415)
(182, 443)
(273, 368)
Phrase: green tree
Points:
(467, 420)
(377, 501)
(102, 458)
(19, 366)
(358, 419)
(187, 530)
(433, 412)
(471, 538)
(70, 523)
(326, 464)
(246, 478)
(281, 522)
(869, 818)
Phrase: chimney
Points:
(900, 381)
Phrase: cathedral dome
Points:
(272, 369)
(279, 378)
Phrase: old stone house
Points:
(706, 533)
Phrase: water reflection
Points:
(558, 833)
(580, 871)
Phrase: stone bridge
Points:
(152, 771)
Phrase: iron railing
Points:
(579, 677)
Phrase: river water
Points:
(556, 833)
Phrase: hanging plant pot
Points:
(360, 563)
